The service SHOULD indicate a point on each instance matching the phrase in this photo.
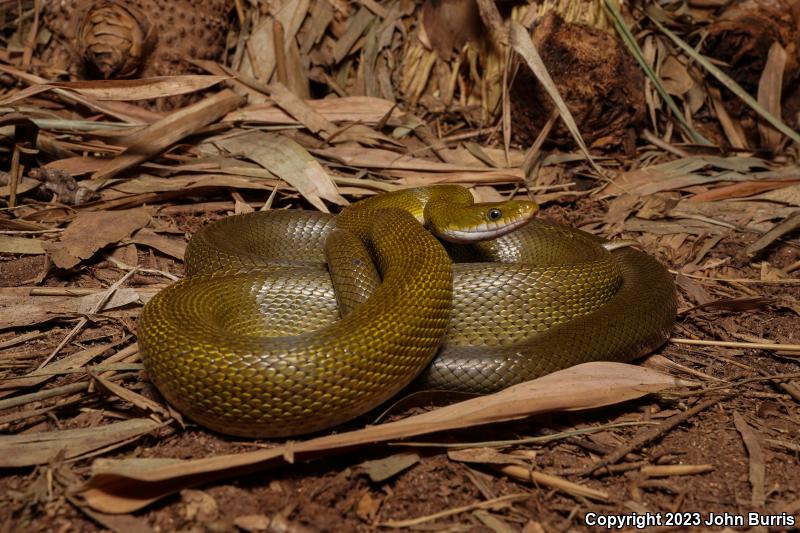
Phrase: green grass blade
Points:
(734, 87)
(633, 46)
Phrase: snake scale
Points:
(257, 342)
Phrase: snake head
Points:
(481, 222)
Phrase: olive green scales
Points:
(252, 342)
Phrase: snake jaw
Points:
(483, 232)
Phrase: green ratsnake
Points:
(294, 321)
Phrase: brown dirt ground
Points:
(334, 494)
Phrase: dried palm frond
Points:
(453, 62)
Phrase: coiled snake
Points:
(252, 342)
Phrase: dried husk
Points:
(743, 34)
(595, 75)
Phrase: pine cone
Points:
(114, 40)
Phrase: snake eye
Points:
(494, 214)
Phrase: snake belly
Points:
(532, 302)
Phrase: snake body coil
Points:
(255, 347)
